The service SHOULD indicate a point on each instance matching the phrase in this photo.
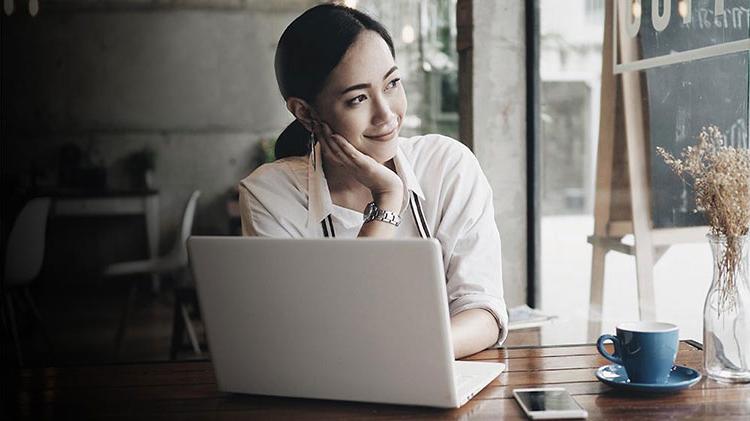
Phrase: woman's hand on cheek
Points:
(337, 151)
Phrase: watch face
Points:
(370, 210)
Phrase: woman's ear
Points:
(302, 112)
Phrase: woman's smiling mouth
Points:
(384, 136)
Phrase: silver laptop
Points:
(345, 319)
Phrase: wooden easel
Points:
(622, 203)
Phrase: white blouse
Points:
(446, 196)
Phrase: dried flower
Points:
(720, 177)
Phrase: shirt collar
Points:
(319, 197)
(405, 171)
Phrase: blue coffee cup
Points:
(647, 350)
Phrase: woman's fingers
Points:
(328, 154)
(324, 150)
(359, 161)
(333, 142)
(336, 153)
(344, 154)
(331, 154)
(341, 145)
(362, 167)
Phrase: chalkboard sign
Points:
(682, 98)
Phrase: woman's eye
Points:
(357, 100)
(361, 98)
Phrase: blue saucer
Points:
(679, 378)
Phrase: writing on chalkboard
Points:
(661, 13)
(735, 18)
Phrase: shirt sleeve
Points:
(257, 220)
(471, 244)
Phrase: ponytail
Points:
(293, 141)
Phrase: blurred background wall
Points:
(189, 80)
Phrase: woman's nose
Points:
(382, 113)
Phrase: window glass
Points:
(678, 97)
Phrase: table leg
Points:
(152, 231)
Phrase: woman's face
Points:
(363, 99)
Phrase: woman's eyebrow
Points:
(367, 85)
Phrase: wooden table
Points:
(187, 391)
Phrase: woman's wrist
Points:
(389, 201)
(381, 229)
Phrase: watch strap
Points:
(374, 213)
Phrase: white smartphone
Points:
(548, 403)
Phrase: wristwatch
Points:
(374, 213)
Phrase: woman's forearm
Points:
(473, 331)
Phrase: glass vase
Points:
(726, 322)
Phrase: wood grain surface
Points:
(187, 391)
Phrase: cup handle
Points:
(615, 358)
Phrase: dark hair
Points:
(309, 49)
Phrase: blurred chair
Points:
(173, 263)
(186, 298)
(23, 262)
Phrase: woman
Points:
(342, 155)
